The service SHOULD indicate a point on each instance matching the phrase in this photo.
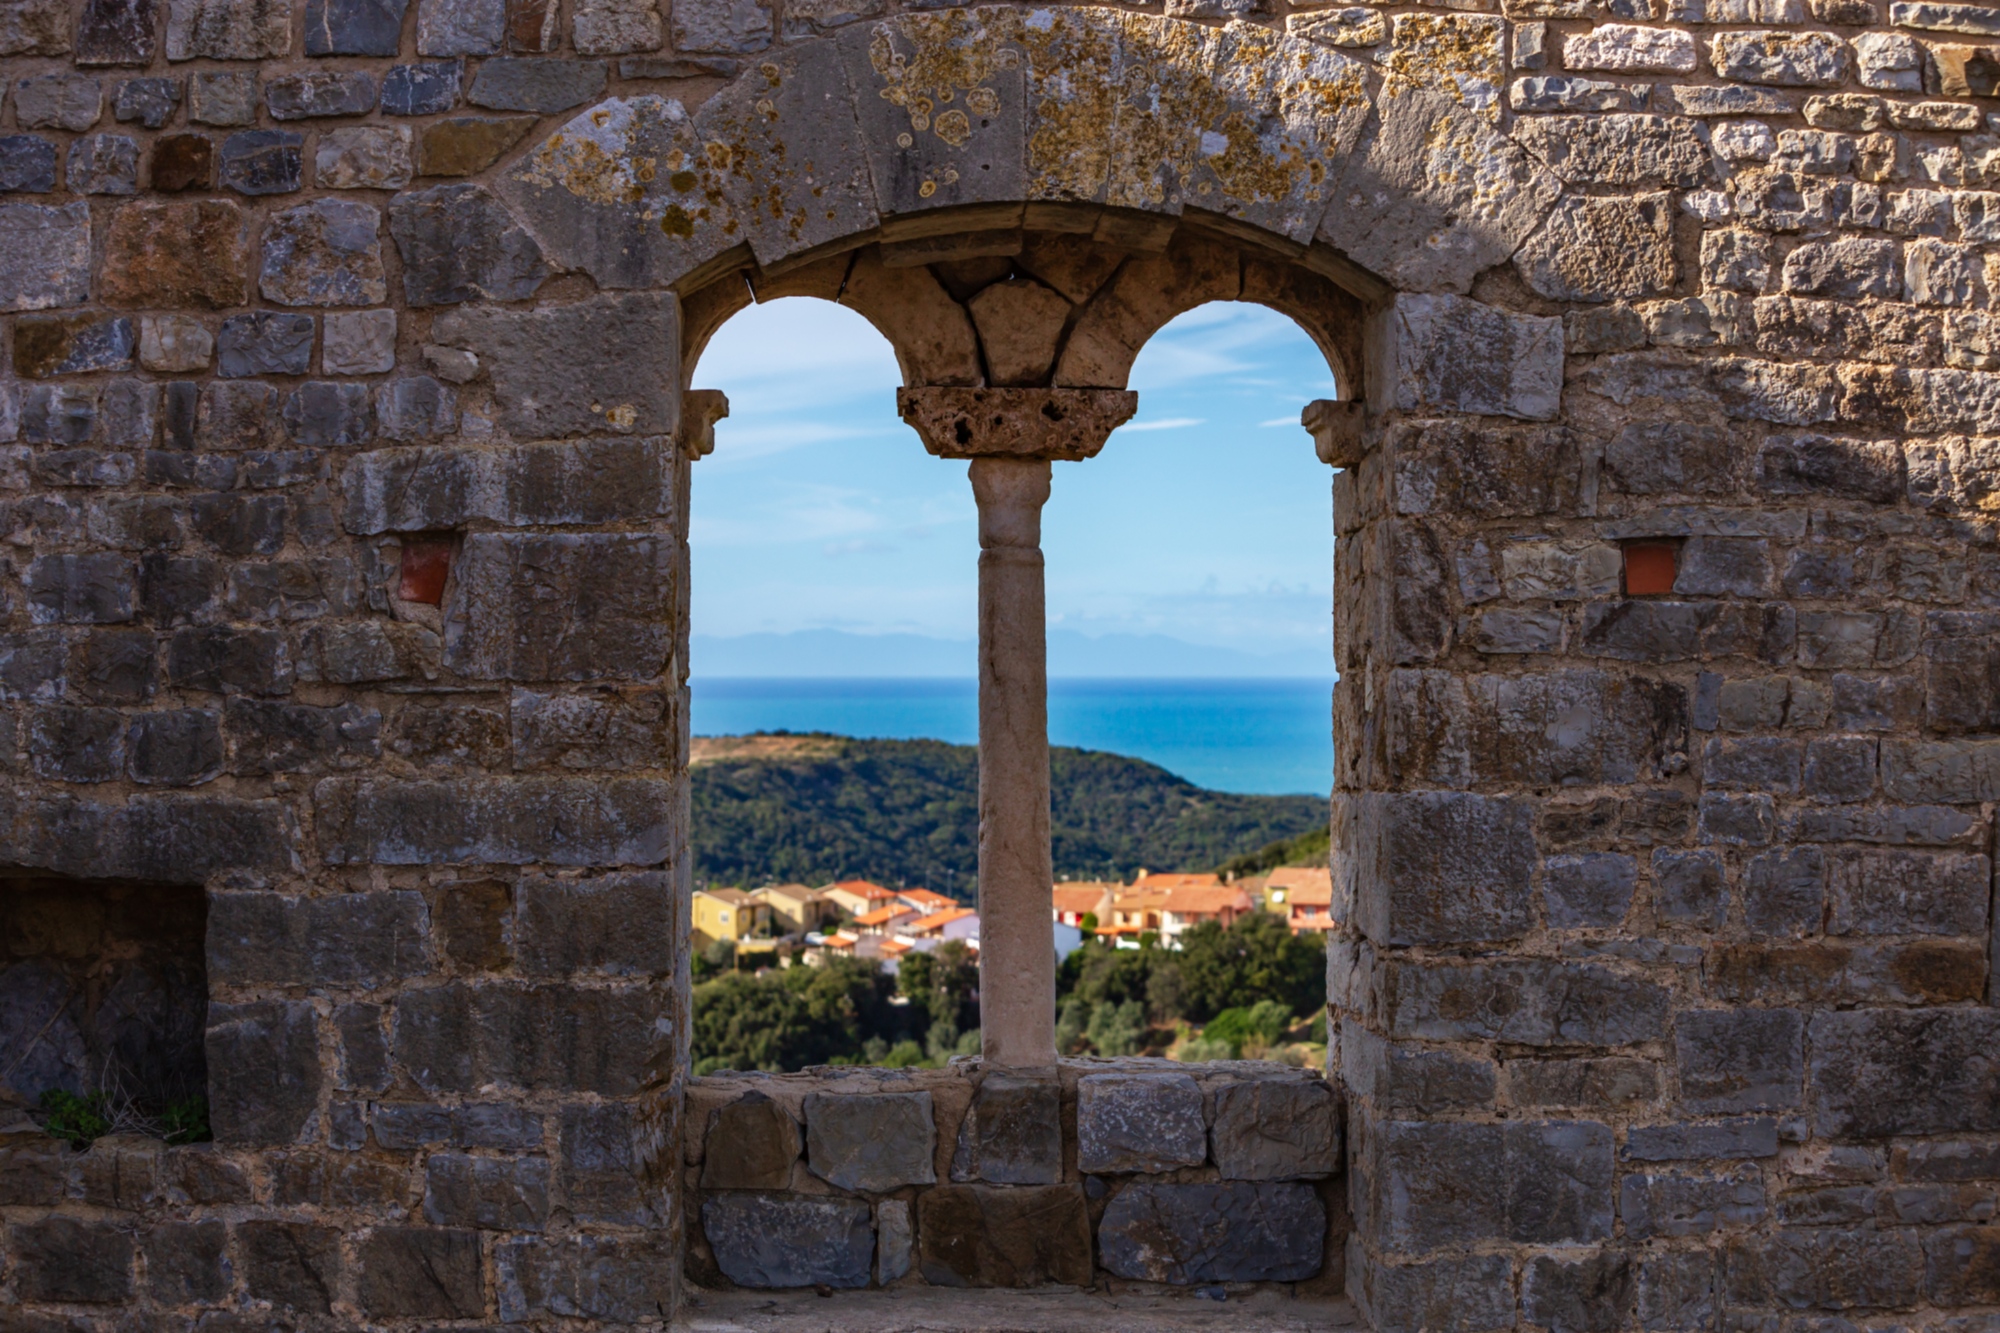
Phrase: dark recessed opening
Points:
(103, 991)
(1649, 568)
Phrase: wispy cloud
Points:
(1164, 423)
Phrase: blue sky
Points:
(1206, 520)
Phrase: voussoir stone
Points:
(1139, 1122)
(752, 1144)
(1233, 1231)
(766, 1240)
(1276, 1129)
(459, 244)
(871, 1142)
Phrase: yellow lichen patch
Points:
(951, 54)
(594, 157)
(1165, 98)
(1458, 55)
(1073, 67)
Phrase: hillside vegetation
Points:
(905, 813)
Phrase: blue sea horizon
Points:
(1264, 735)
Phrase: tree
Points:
(1257, 958)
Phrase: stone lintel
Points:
(700, 410)
(1336, 431)
(1015, 423)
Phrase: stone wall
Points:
(345, 492)
(1111, 1174)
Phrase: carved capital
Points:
(1336, 431)
(700, 410)
(1015, 423)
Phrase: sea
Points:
(1268, 736)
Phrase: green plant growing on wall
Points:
(78, 1121)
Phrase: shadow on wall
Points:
(103, 990)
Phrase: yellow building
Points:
(728, 914)
(796, 908)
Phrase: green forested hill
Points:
(904, 813)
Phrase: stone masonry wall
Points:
(345, 490)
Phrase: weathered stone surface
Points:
(27, 164)
(58, 102)
(871, 1143)
(421, 90)
(361, 342)
(570, 370)
(467, 145)
(458, 244)
(183, 162)
(34, 27)
(151, 102)
(1469, 1293)
(228, 29)
(541, 85)
(1139, 1122)
(597, 614)
(492, 1194)
(988, 1236)
(764, 1240)
(1457, 1183)
(258, 162)
(1012, 1135)
(266, 343)
(1812, 60)
(1230, 1232)
(264, 1071)
(222, 97)
(560, 820)
(321, 93)
(70, 345)
(44, 256)
(1276, 1129)
(1682, 1204)
(1627, 49)
(1435, 167)
(1451, 354)
(178, 254)
(65, 1260)
(420, 1272)
(613, 27)
(461, 27)
(1529, 1001)
(620, 1279)
(752, 1143)
(103, 164)
(1033, 423)
(351, 940)
(1603, 249)
(354, 27)
(323, 253)
(1834, 1269)
(1731, 1061)
(1438, 867)
(1878, 1072)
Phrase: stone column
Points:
(1011, 435)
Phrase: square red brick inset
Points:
(1649, 569)
(426, 566)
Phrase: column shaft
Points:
(1016, 874)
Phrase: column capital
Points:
(1015, 423)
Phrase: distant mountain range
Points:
(814, 808)
(830, 652)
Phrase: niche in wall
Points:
(103, 989)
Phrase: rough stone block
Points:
(62, 1259)
(1440, 867)
(992, 1236)
(1690, 888)
(1447, 353)
(1894, 892)
(421, 90)
(871, 1143)
(752, 1143)
(293, 1265)
(420, 1272)
(323, 253)
(27, 164)
(1440, 1184)
(1576, 1295)
(767, 1240)
(1139, 1122)
(103, 164)
(1536, 1002)
(259, 162)
(459, 244)
(1451, 1295)
(1588, 889)
(569, 370)
(360, 342)
(1878, 1072)
(1012, 1135)
(462, 1037)
(1231, 1232)
(1601, 250)
(467, 145)
(541, 85)
(188, 1263)
(319, 92)
(599, 609)
(354, 27)
(44, 256)
(617, 1279)
(58, 102)
(1824, 1269)
(461, 27)
(1740, 1059)
(1276, 1129)
(265, 343)
(491, 1193)
(619, 925)
(264, 1071)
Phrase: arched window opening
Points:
(1189, 589)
